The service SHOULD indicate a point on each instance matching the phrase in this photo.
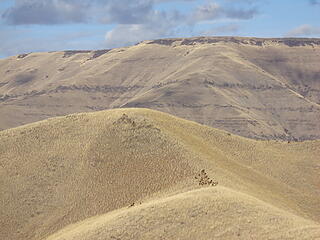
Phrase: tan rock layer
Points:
(257, 88)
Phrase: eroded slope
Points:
(258, 88)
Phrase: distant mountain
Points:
(257, 88)
(142, 174)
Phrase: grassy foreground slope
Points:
(208, 213)
(64, 170)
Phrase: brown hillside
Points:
(258, 88)
(144, 165)
(210, 213)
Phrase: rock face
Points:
(257, 88)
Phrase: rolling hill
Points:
(142, 174)
(257, 88)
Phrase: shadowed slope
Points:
(258, 88)
(64, 170)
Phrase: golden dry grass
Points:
(262, 91)
(208, 213)
(65, 170)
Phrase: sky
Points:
(57, 25)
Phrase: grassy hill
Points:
(143, 174)
(257, 88)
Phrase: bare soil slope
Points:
(257, 88)
(143, 169)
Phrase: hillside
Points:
(143, 174)
(257, 88)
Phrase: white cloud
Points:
(165, 24)
(314, 2)
(128, 34)
(224, 29)
(207, 12)
(213, 11)
(304, 30)
(46, 12)
(132, 20)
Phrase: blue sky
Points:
(53, 25)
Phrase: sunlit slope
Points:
(208, 213)
(257, 88)
(64, 170)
